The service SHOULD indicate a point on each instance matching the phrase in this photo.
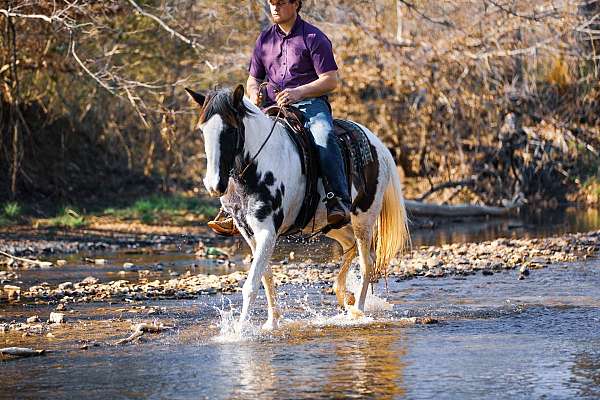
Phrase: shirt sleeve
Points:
(321, 53)
(257, 68)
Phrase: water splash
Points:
(230, 329)
(373, 303)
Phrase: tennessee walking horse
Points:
(261, 173)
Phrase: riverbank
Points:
(460, 259)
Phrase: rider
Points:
(296, 61)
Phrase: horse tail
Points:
(391, 234)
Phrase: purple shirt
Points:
(289, 61)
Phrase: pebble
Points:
(33, 319)
(56, 318)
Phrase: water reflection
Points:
(318, 363)
(367, 365)
(586, 374)
(529, 223)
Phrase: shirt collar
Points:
(295, 28)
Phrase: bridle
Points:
(279, 113)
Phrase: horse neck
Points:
(258, 127)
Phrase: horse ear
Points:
(198, 98)
(238, 96)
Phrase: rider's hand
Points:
(255, 97)
(288, 96)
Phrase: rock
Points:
(90, 280)
(65, 285)
(56, 318)
(99, 261)
(61, 263)
(523, 270)
(487, 272)
(128, 266)
(12, 292)
(33, 319)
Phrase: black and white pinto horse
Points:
(265, 201)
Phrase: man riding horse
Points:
(295, 61)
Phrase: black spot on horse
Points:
(278, 219)
(364, 199)
(257, 184)
(269, 178)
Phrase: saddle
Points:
(360, 162)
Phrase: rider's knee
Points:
(321, 131)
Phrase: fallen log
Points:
(418, 208)
(21, 352)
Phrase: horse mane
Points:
(221, 102)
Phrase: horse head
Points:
(221, 122)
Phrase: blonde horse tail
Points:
(391, 234)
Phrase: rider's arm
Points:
(253, 89)
(326, 83)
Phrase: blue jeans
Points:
(320, 123)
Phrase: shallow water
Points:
(497, 337)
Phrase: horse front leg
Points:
(264, 241)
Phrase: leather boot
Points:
(223, 224)
(338, 213)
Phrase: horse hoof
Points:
(355, 313)
(349, 299)
(270, 325)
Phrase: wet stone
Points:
(56, 318)
(90, 280)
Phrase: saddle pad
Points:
(358, 156)
(360, 161)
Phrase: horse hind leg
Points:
(273, 312)
(345, 237)
(344, 297)
(364, 234)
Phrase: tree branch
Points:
(166, 27)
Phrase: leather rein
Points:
(279, 113)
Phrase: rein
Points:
(263, 145)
